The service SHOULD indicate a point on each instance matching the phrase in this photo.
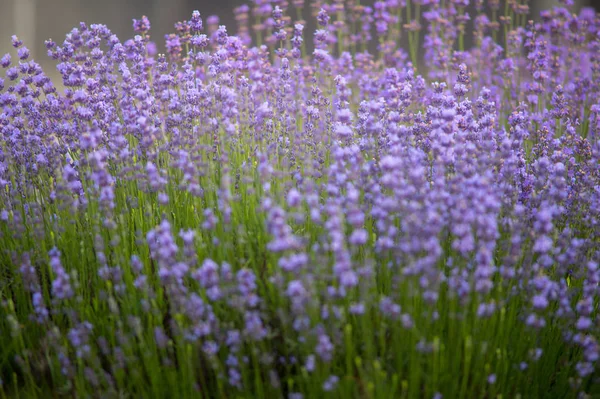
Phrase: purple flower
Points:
(5, 60)
(331, 383)
(310, 363)
(79, 338)
(221, 35)
(208, 277)
(196, 22)
(324, 348)
(540, 302)
(41, 312)
(254, 328)
(12, 73)
(210, 220)
(16, 42)
(313, 185)
(161, 338)
(200, 41)
(583, 323)
(358, 237)
(323, 17)
(141, 25)
(293, 198)
(23, 53)
(61, 285)
(357, 308)
(388, 308)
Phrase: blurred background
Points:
(37, 20)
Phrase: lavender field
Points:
(268, 211)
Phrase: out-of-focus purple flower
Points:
(331, 383)
(323, 17)
(16, 42)
(61, 285)
(5, 60)
(23, 53)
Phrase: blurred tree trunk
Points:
(25, 22)
(5, 25)
(164, 15)
(537, 6)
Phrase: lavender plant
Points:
(286, 214)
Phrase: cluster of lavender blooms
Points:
(284, 213)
